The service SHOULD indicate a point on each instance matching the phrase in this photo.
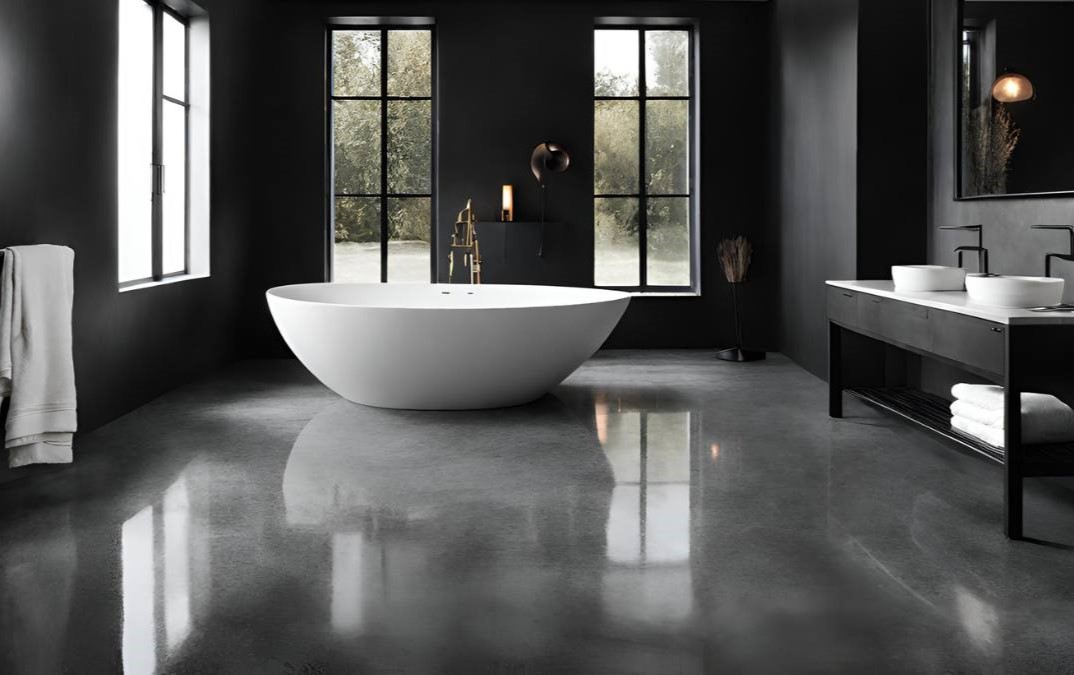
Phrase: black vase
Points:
(737, 353)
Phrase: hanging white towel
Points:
(36, 362)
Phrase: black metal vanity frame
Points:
(1021, 356)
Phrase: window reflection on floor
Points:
(156, 566)
(648, 535)
(347, 549)
(176, 563)
(979, 619)
(139, 624)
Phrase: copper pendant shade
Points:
(1012, 88)
(549, 158)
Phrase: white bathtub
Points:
(443, 347)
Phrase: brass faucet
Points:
(464, 236)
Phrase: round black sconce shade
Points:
(549, 158)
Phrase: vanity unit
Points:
(1020, 349)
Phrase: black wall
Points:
(816, 82)
(58, 186)
(1012, 247)
(893, 128)
(852, 86)
(510, 76)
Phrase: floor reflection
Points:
(35, 599)
(160, 568)
(431, 517)
(665, 513)
(351, 563)
(649, 522)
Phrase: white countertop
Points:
(958, 302)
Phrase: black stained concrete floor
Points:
(661, 512)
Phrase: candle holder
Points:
(507, 210)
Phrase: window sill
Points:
(163, 282)
(665, 294)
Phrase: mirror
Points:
(1015, 99)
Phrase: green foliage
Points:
(410, 146)
(616, 221)
(667, 63)
(615, 145)
(357, 219)
(668, 236)
(617, 137)
(356, 63)
(667, 142)
(410, 63)
(357, 134)
(409, 219)
(357, 146)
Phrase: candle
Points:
(507, 214)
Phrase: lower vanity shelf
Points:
(933, 413)
(1020, 350)
(927, 410)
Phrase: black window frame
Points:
(643, 197)
(384, 28)
(157, 166)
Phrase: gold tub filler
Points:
(464, 237)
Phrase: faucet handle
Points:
(1068, 228)
(979, 229)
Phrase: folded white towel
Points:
(36, 362)
(987, 396)
(990, 435)
(1045, 419)
(967, 410)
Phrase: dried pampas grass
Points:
(735, 258)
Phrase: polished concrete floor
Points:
(662, 512)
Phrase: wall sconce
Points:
(507, 209)
(547, 158)
(1012, 88)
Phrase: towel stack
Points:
(978, 411)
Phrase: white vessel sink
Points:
(928, 278)
(1003, 291)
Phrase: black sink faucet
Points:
(1069, 255)
(982, 252)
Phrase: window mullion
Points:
(186, 146)
(643, 203)
(384, 155)
(158, 143)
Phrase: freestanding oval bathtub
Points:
(442, 346)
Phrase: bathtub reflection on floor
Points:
(436, 515)
(429, 510)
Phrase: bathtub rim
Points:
(601, 296)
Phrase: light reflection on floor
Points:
(648, 578)
(157, 607)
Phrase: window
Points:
(156, 115)
(381, 154)
(643, 171)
